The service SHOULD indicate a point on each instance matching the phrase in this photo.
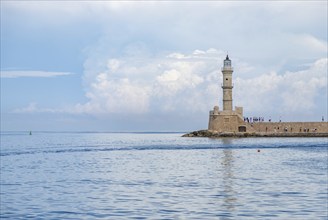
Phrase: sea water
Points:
(161, 176)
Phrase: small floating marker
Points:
(258, 150)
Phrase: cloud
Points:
(33, 108)
(169, 24)
(17, 74)
(182, 83)
(289, 92)
(189, 84)
(157, 84)
(312, 42)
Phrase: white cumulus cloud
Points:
(285, 93)
(168, 83)
(190, 83)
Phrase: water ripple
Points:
(161, 176)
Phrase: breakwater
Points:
(299, 128)
(259, 133)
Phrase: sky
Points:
(156, 66)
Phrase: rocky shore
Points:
(214, 134)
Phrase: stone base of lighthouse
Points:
(228, 121)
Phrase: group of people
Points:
(261, 119)
(254, 119)
(308, 130)
(286, 129)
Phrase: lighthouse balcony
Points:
(226, 68)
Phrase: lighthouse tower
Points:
(229, 119)
(227, 84)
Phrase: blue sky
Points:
(155, 66)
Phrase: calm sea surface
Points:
(161, 176)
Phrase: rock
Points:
(215, 134)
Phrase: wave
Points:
(82, 149)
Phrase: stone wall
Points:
(228, 121)
(288, 127)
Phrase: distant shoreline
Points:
(214, 134)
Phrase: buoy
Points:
(258, 150)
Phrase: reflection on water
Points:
(230, 195)
(227, 141)
(229, 192)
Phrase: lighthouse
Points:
(228, 119)
(227, 84)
